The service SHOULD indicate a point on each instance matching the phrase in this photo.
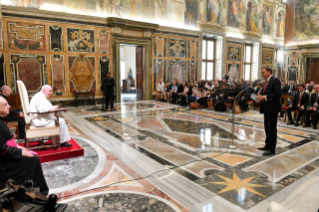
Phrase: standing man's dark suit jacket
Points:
(273, 94)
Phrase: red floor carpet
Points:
(52, 154)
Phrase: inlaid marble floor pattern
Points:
(141, 138)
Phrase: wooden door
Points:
(139, 73)
(312, 70)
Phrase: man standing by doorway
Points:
(108, 90)
(270, 107)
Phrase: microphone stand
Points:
(232, 146)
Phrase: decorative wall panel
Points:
(104, 41)
(234, 54)
(1, 35)
(293, 58)
(177, 48)
(292, 73)
(177, 69)
(58, 75)
(26, 36)
(159, 71)
(267, 58)
(192, 69)
(82, 71)
(191, 14)
(56, 38)
(105, 63)
(2, 71)
(80, 40)
(193, 49)
(159, 46)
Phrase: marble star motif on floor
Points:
(237, 184)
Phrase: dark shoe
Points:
(263, 148)
(290, 123)
(306, 125)
(314, 127)
(268, 153)
(66, 144)
(296, 124)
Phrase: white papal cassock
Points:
(39, 103)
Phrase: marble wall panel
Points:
(80, 40)
(193, 49)
(267, 56)
(104, 42)
(82, 74)
(26, 36)
(1, 35)
(159, 71)
(292, 73)
(177, 48)
(159, 46)
(58, 79)
(293, 58)
(192, 69)
(105, 63)
(177, 69)
(56, 38)
(2, 71)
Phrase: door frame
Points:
(147, 64)
(303, 65)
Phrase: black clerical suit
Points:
(270, 107)
(17, 167)
(15, 116)
(297, 102)
(314, 103)
(222, 94)
(108, 91)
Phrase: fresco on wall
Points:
(293, 73)
(104, 68)
(212, 10)
(233, 53)
(177, 48)
(306, 25)
(267, 19)
(26, 36)
(233, 70)
(27, 3)
(193, 49)
(281, 24)
(192, 70)
(251, 18)
(104, 39)
(234, 11)
(159, 46)
(110, 8)
(81, 74)
(80, 40)
(57, 74)
(159, 71)
(267, 57)
(191, 14)
(177, 69)
(2, 71)
(56, 36)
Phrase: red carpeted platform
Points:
(52, 154)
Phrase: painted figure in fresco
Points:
(281, 25)
(233, 54)
(234, 14)
(28, 3)
(267, 20)
(251, 24)
(212, 11)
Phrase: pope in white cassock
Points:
(40, 103)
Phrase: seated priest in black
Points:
(212, 96)
(222, 93)
(14, 115)
(18, 163)
(313, 108)
(231, 95)
(300, 102)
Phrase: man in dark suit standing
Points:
(13, 114)
(107, 87)
(270, 107)
(300, 101)
(313, 108)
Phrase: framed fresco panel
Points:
(233, 70)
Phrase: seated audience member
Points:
(40, 103)
(173, 92)
(300, 102)
(292, 88)
(18, 163)
(245, 98)
(13, 114)
(220, 105)
(160, 89)
(186, 93)
(313, 108)
(284, 88)
(310, 89)
(201, 97)
(165, 93)
(192, 98)
(212, 96)
(312, 83)
(230, 96)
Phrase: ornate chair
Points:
(284, 101)
(53, 132)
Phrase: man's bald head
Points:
(4, 107)
(6, 90)
(46, 90)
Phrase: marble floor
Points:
(150, 156)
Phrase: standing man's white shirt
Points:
(39, 103)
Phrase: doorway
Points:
(131, 72)
(312, 70)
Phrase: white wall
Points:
(128, 61)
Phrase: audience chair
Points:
(285, 99)
(53, 132)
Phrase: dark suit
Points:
(312, 104)
(15, 116)
(291, 90)
(304, 101)
(220, 106)
(108, 85)
(270, 108)
(284, 90)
